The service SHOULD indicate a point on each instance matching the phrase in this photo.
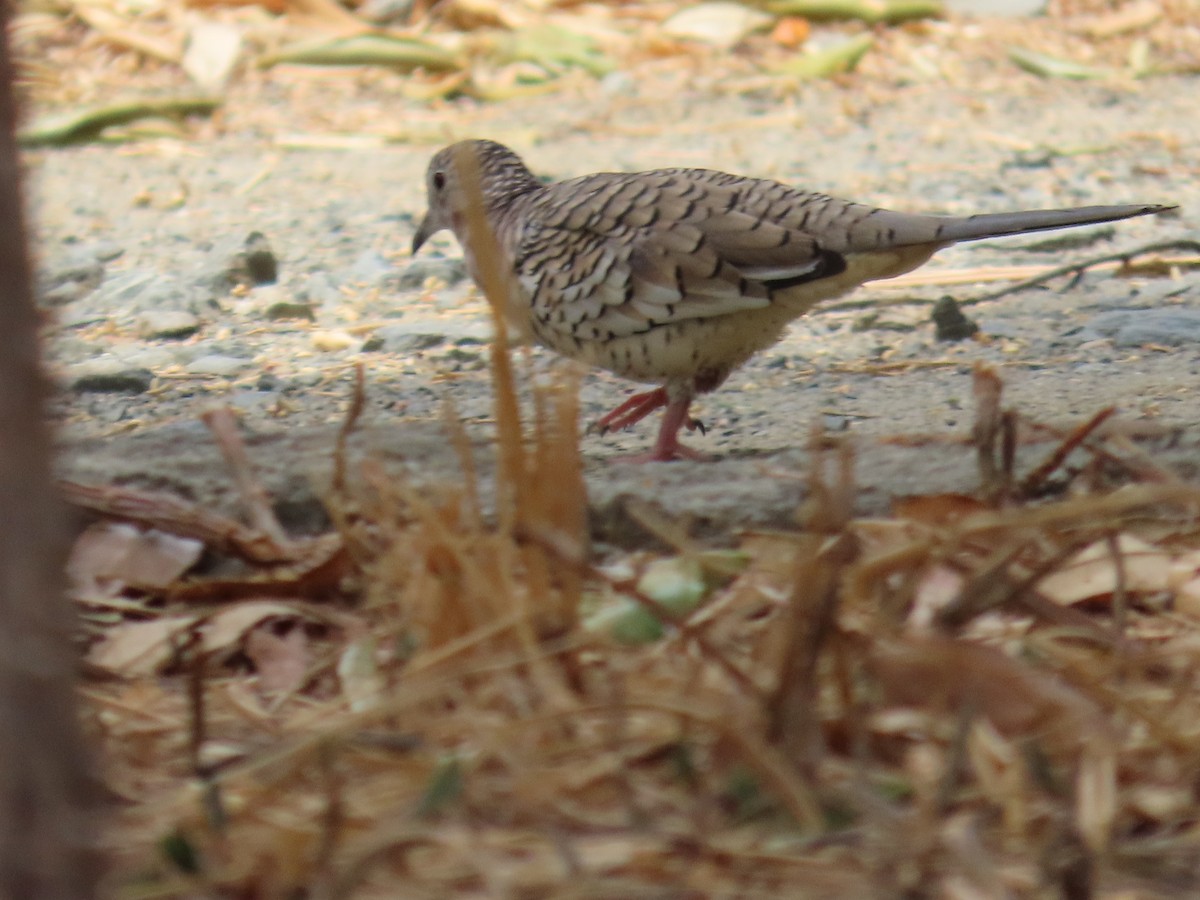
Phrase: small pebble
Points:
(261, 263)
(285, 310)
(402, 339)
(167, 324)
(951, 324)
(370, 268)
(216, 364)
(332, 341)
(109, 375)
(417, 272)
(318, 289)
(152, 358)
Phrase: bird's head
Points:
(501, 176)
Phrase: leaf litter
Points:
(980, 695)
(495, 50)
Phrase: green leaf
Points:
(444, 788)
(84, 125)
(1051, 66)
(889, 12)
(366, 50)
(553, 47)
(180, 852)
(843, 57)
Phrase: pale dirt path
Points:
(921, 146)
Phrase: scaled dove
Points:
(677, 277)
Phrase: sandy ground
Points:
(340, 222)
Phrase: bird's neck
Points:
(502, 191)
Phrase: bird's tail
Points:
(989, 225)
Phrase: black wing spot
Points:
(828, 264)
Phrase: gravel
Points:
(268, 297)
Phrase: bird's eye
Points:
(439, 180)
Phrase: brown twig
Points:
(223, 425)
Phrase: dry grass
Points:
(989, 696)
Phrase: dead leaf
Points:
(138, 649)
(946, 676)
(937, 509)
(114, 555)
(718, 24)
(327, 15)
(212, 52)
(1127, 18)
(1092, 572)
(226, 628)
(937, 589)
(468, 15)
(281, 656)
(123, 33)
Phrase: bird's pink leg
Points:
(666, 445)
(632, 410)
(675, 416)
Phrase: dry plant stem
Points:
(1077, 269)
(1033, 482)
(197, 665)
(993, 426)
(521, 494)
(344, 512)
(223, 425)
(358, 402)
(774, 768)
(1108, 696)
(333, 820)
(48, 797)
(172, 514)
(1101, 508)
(487, 259)
(1027, 276)
(1136, 460)
(795, 720)
(629, 588)
(990, 589)
(466, 459)
(1120, 604)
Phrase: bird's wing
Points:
(610, 255)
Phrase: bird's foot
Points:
(669, 454)
(666, 445)
(630, 412)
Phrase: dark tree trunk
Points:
(47, 794)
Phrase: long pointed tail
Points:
(988, 225)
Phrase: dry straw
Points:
(979, 696)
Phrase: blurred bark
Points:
(47, 793)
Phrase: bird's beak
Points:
(423, 233)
